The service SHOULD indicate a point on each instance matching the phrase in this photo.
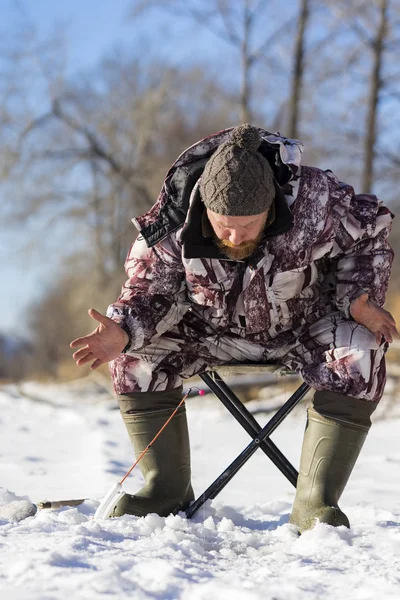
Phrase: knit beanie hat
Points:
(237, 180)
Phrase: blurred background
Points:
(99, 98)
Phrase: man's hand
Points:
(105, 343)
(373, 317)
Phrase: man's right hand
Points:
(105, 343)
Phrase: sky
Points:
(93, 26)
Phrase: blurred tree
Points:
(376, 85)
(298, 70)
(87, 165)
(16, 358)
(374, 26)
(247, 26)
(81, 156)
(97, 157)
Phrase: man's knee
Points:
(350, 371)
(347, 409)
(358, 373)
(137, 402)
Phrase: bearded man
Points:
(247, 256)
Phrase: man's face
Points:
(237, 237)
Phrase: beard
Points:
(241, 251)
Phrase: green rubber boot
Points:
(336, 429)
(166, 465)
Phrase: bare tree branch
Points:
(94, 144)
(275, 36)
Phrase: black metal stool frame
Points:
(260, 436)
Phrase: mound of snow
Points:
(15, 508)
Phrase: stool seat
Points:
(229, 369)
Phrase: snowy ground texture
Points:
(68, 441)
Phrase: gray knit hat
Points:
(238, 180)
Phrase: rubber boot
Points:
(166, 465)
(336, 429)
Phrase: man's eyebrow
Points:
(247, 224)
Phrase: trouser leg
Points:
(338, 355)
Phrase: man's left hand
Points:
(378, 320)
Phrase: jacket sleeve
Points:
(363, 256)
(153, 299)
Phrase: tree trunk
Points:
(375, 87)
(245, 92)
(298, 70)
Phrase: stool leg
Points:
(249, 423)
(234, 467)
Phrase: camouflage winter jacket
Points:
(325, 247)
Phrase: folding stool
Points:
(260, 435)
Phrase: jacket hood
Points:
(170, 211)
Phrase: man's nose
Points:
(235, 237)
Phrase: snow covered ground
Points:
(67, 441)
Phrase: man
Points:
(249, 257)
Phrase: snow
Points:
(68, 441)
(15, 508)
